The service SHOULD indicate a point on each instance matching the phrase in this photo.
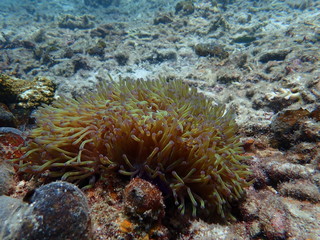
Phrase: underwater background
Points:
(261, 59)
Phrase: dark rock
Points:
(273, 217)
(317, 35)
(105, 29)
(99, 32)
(309, 58)
(162, 19)
(27, 44)
(7, 119)
(159, 57)
(121, 58)
(240, 60)
(72, 22)
(68, 53)
(40, 36)
(229, 78)
(185, 7)
(79, 62)
(58, 210)
(211, 49)
(266, 208)
(293, 126)
(305, 153)
(281, 172)
(220, 22)
(301, 190)
(260, 177)
(244, 39)
(315, 114)
(279, 55)
(97, 49)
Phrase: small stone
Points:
(229, 78)
(185, 7)
(6, 178)
(79, 63)
(58, 210)
(315, 114)
(8, 207)
(270, 214)
(161, 56)
(292, 126)
(246, 38)
(279, 172)
(72, 22)
(301, 190)
(7, 118)
(143, 200)
(211, 49)
(279, 55)
(121, 58)
(164, 19)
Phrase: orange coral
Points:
(158, 130)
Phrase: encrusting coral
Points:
(164, 132)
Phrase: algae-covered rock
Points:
(26, 94)
(211, 49)
(293, 126)
(72, 22)
(277, 55)
(185, 7)
(54, 211)
(246, 38)
(97, 49)
(163, 19)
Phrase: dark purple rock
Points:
(58, 210)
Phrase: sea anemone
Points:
(164, 132)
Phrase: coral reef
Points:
(26, 94)
(164, 132)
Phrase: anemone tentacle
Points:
(162, 131)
